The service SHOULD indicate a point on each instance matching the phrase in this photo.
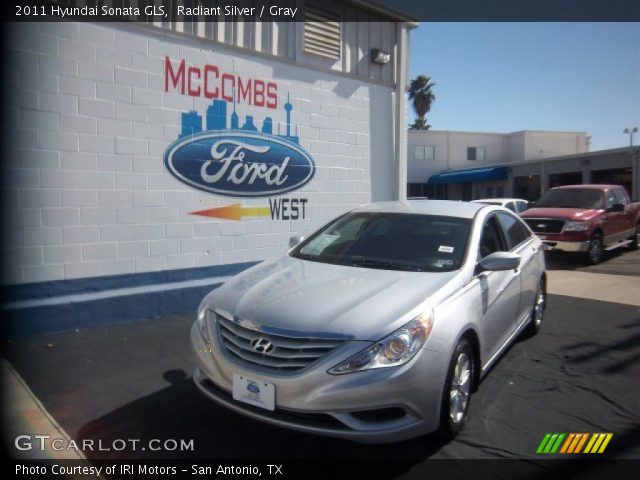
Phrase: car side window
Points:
(621, 196)
(511, 206)
(521, 207)
(491, 239)
(515, 232)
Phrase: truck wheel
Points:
(635, 239)
(595, 252)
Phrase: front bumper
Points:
(566, 246)
(373, 406)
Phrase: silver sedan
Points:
(379, 326)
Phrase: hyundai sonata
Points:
(379, 326)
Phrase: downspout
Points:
(400, 127)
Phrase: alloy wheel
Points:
(460, 388)
(538, 309)
(595, 249)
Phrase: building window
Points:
(424, 152)
(475, 153)
(500, 192)
(415, 190)
(321, 32)
(438, 192)
(489, 193)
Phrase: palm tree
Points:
(421, 98)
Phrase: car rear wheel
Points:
(457, 391)
(537, 312)
(595, 251)
(635, 239)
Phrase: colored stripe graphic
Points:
(574, 443)
(543, 443)
(234, 212)
(598, 442)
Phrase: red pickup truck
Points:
(586, 218)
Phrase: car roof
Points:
(499, 201)
(591, 186)
(449, 208)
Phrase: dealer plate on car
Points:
(254, 392)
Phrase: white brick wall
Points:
(88, 123)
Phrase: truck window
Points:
(611, 199)
(587, 198)
(621, 196)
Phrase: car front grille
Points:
(545, 225)
(285, 354)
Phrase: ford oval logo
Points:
(239, 163)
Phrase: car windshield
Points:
(390, 241)
(572, 198)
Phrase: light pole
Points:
(630, 131)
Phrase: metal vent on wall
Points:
(321, 32)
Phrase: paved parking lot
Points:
(617, 262)
(134, 381)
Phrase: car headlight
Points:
(576, 227)
(203, 324)
(392, 351)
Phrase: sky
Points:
(505, 77)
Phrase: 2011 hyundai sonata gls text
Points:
(379, 326)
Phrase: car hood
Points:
(574, 214)
(300, 297)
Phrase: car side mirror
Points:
(499, 261)
(616, 207)
(295, 241)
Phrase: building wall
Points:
(451, 152)
(536, 145)
(285, 39)
(607, 160)
(88, 120)
(451, 149)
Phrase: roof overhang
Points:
(384, 10)
(470, 175)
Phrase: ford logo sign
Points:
(253, 387)
(239, 163)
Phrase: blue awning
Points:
(470, 175)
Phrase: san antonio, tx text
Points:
(140, 469)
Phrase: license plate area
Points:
(254, 392)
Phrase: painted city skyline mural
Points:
(217, 119)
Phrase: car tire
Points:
(635, 239)
(537, 312)
(595, 251)
(458, 386)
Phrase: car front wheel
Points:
(537, 312)
(596, 249)
(457, 391)
(635, 239)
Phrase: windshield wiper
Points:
(382, 264)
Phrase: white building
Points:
(109, 127)
(432, 152)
